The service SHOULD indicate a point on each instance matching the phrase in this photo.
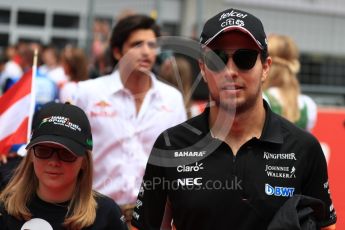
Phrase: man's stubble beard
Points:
(231, 105)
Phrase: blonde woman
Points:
(282, 88)
(52, 187)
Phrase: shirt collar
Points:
(272, 131)
(117, 84)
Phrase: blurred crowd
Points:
(60, 68)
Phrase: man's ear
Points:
(266, 69)
(202, 69)
(117, 53)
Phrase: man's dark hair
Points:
(127, 25)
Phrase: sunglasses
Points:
(44, 152)
(244, 59)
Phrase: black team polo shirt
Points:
(210, 188)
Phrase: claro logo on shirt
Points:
(279, 191)
(190, 168)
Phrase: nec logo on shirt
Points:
(279, 191)
(189, 181)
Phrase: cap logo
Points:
(232, 14)
(89, 142)
(232, 22)
(63, 121)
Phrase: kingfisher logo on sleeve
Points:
(279, 191)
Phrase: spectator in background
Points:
(45, 90)
(282, 89)
(9, 161)
(3, 61)
(52, 187)
(11, 52)
(101, 60)
(102, 64)
(177, 72)
(127, 110)
(75, 65)
(12, 70)
(51, 65)
(101, 33)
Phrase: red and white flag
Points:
(16, 113)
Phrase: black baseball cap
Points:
(234, 19)
(63, 124)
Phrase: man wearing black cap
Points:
(236, 164)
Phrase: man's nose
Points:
(231, 68)
(145, 48)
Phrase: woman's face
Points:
(56, 177)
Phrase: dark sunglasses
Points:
(244, 59)
(45, 152)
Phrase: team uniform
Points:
(51, 216)
(210, 188)
(307, 108)
(122, 138)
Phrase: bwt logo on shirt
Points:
(279, 191)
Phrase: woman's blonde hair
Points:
(178, 72)
(24, 183)
(283, 73)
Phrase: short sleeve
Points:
(109, 214)
(316, 182)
